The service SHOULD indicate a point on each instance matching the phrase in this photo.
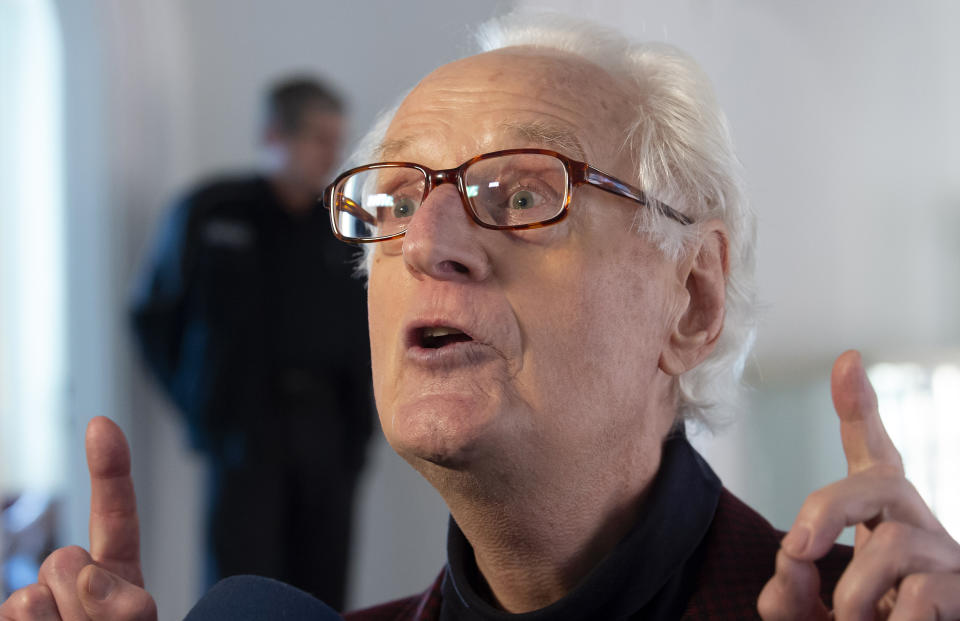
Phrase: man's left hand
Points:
(905, 564)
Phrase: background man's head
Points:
(303, 131)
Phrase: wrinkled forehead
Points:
(514, 97)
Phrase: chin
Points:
(449, 431)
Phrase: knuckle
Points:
(814, 498)
(768, 602)
(137, 605)
(915, 611)
(127, 602)
(886, 476)
(844, 600)
(771, 606)
(897, 483)
(848, 596)
(914, 590)
(891, 535)
(908, 488)
(816, 508)
(64, 561)
(35, 600)
(887, 471)
(148, 611)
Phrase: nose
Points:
(442, 242)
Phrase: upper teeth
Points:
(439, 331)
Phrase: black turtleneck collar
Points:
(649, 574)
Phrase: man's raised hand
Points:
(905, 565)
(106, 583)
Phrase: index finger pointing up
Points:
(114, 525)
(865, 441)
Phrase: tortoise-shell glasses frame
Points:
(577, 173)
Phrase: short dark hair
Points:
(290, 98)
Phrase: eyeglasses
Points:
(513, 189)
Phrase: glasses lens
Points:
(511, 190)
(378, 202)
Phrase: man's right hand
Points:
(106, 583)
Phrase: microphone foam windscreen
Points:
(249, 598)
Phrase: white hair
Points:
(682, 154)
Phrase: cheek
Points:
(626, 328)
(592, 335)
(382, 301)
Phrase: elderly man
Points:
(559, 275)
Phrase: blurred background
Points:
(844, 116)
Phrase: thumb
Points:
(106, 596)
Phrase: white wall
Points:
(843, 114)
(125, 153)
(31, 249)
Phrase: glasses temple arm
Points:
(351, 207)
(612, 185)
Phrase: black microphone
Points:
(254, 598)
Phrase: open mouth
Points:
(435, 337)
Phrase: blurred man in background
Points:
(249, 318)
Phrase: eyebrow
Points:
(546, 134)
(386, 149)
(556, 137)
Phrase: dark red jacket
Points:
(741, 547)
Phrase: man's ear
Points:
(698, 321)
